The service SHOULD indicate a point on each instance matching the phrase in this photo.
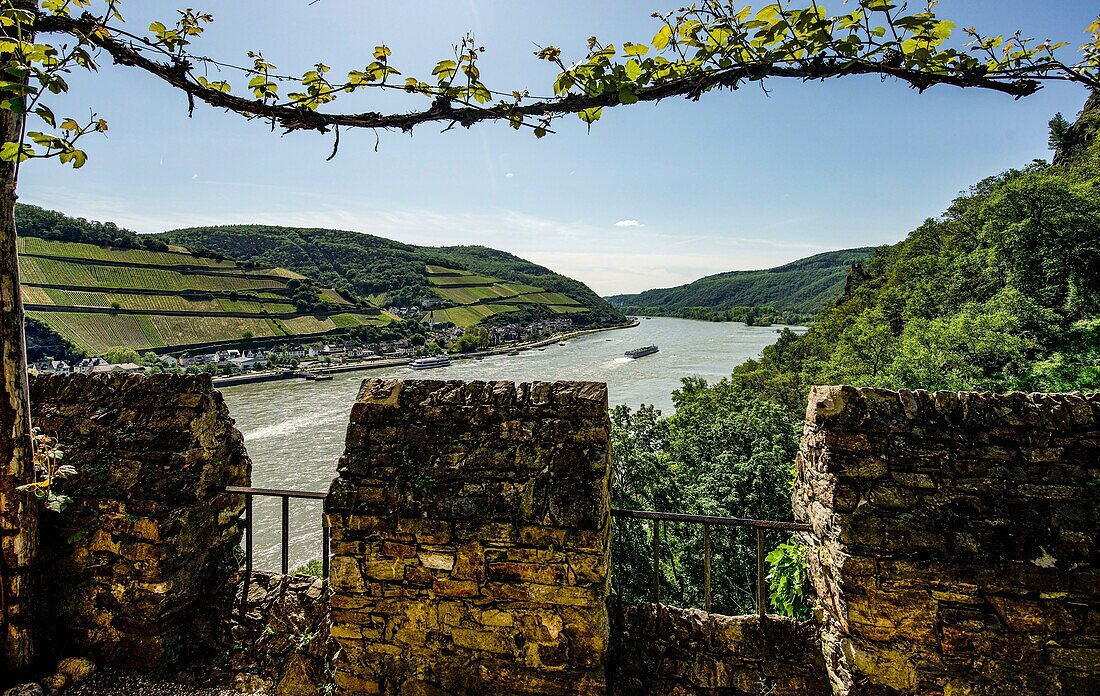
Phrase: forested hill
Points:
(793, 292)
(380, 269)
(999, 293)
(33, 221)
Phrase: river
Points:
(294, 430)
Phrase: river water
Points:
(294, 430)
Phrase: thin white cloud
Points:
(629, 223)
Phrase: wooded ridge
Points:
(791, 294)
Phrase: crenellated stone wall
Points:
(658, 649)
(953, 551)
(955, 540)
(470, 539)
(134, 568)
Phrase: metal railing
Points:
(708, 521)
(248, 492)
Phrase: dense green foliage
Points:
(368, 266)
(787, 580)
(358, 264)
(474, 339)
(121, 354)
(790, 294)
(1002, 292)
(306, 296)
(722, 453)
(32, 221)
(45, 343)
(999, 294)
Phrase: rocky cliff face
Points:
(1078, 141)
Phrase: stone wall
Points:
(470, 539)
(133, 568)
(658, 649)
(955, 540)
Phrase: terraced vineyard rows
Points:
(331, 295)
(312, 325)
(125, 301)
(470, 315)
(32, 295)
(126, 287)
(473, 295)
(76, 250)
(482, 296)
(49, 271)
(98, 333)
(444, 281)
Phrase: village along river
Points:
(294, 430)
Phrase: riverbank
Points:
(274, 376)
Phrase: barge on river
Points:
(641, 352)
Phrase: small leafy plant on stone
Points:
(328, 687)
(414, 478)
(303, 640)
(48, 470)
(787, 580)
(312, 568)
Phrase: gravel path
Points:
(110, 682)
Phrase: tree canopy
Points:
(707, 46)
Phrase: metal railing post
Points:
(326, 545)
(706, 566)
(247, 551)
(656, 561)
(286, 534)
(761, 589)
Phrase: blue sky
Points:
(655, 195)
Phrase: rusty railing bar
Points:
(656, 561)
(706, 565)
(761, 588)
(710, 519)
(286, 534)
(247, 551)
(285, 494)
(276, 492)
